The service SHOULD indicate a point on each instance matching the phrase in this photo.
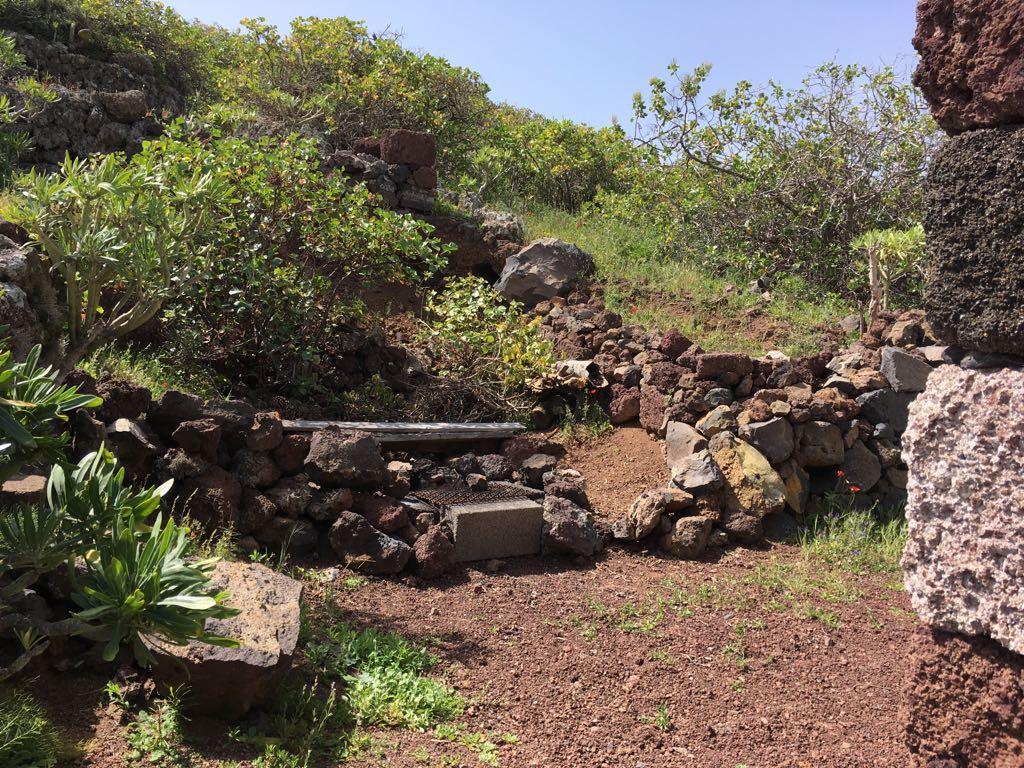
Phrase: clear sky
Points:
(584, 59)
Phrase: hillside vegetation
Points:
(703, 194)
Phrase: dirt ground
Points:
(751, 658)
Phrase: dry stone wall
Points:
(965, 439)
(101, 106)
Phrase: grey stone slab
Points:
(496, 529)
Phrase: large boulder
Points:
(228, 682)
(773, 438)
(963, 702)
(820, 444)
(974, 218)
(363, 548)
(971, 69)
(752, 488)
(965, 549)
(542, 270)
(341, 458)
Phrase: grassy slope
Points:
(648, 288)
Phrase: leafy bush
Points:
(136, 579)
(533, 160)
(13, 143)
(288, 248)
(120, 235)
(781, 181)
(333, 79)
(473, 335)
(32, 406)
(27, 740)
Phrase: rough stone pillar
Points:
(964, 446)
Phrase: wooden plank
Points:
(388, 432)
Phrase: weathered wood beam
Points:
(413, 432)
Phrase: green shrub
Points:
(27, 740)
(120, 235)
(474, 336)
(531, 160)
(289, 249)
(331, 78)
(137, 578)
(776, 180)
(13, 144)
(899, 256)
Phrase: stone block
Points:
(496, 529)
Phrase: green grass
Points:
(648, 287)
(146, 368)
(27, 740)
(855, 540)
(385, 678)
(586, 424)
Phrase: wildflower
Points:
(840, 473)
(855, 488)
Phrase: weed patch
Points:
(27, 740)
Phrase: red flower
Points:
(840, 473)
(855, 488)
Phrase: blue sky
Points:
(585, 59)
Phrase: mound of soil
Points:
(619, 466)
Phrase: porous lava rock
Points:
(228, 682)
(974, 219)
(971, 69)
(363, 548)
(963, 702)
(412, 148)
(342, 458)
(434, 553)
(568, 529)
(965, 549)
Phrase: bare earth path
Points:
(576, 663)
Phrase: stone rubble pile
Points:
(399, 166)
(964, 445)
(750, 442)
(331, 494)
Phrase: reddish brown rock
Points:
(652, 408)
(408, 148)
(972, 61)
(434, 553)
(518, 449)
(963, 702)
(425, 178)
(714, 364)
(290, 455)
(384, 513)
(625, 404)
(201, 436)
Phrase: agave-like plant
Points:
(32, 405)
(138, 587)
(134, 579)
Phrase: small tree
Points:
(120, 237)
(893, 255)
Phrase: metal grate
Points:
(453, 494)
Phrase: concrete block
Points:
(496, 529)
